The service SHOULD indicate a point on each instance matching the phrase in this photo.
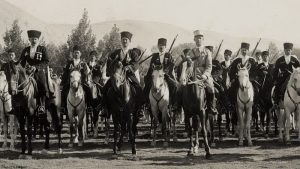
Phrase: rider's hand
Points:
(204, 77)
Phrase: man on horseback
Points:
(202, 69)
(225, 67)
(129, 58)
(241, 61)
(166, 60)
(83, 68)
(282, 71)
(35, 58)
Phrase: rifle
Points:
(238, 52)
(140, 57)
(218, 50)
(255, 47)
(169, 50)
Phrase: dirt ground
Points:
(266, 153)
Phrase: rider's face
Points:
(76, 54)
(161, 48)
(227, 57)
(288, 51)
(33, 41)
(12, 55)
(244, 51)
(265, 58)
(125, 42)
(199, 40)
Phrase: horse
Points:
(291, 104)
(193, 103)
(76, 105)
(121, 105)
(9, 120)
(159, 101)
(53, 106)
(96, 84)
(24, 102)
(245, 98)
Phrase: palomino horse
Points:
(76, 106)
(121, 105)
(159, 100)
(24, 102)
(5, 107)
(53, 113)
(96, 81)
(291, 104)
(192, 99)
(245, 97)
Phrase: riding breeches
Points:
(41, 80)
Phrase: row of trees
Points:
(82, 35)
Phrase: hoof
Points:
(250, 144)
(135, 157)
(28, 157)
(266, 136)
(213, 145)
(175, 139)
(196, 150)
(208, 156)
(4, 146)
(288, 143)
(44, 152)
(60, 151)
(22, 156)
(185, 135)
(221, 139)
(95, 135)
(114, 156)
(241, 143)
(12, 147)
(106, 141)
(165, 144)
(153, 143)
(190, 153)
(80, 143)
(76, 140)
(70, 145)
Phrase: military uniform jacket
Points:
(95, 69)
(234, 67)
(117, 56)
(40, 58)
(202, 61)
(168, 64)
(82, 67)
(265, 73)
(283, 70)
(216, 70)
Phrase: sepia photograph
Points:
(149, 84)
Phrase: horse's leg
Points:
(212, 135)
(131, 134)
(81, 128)
(247, 125)
(5, 130)
(95, 122)
(204, 119)
(174, 125)
(219, 121)
(196, 127)
(57, 119)
(190, 135)
(287, 125)
(46, 126)
(29, 131)
(275, 119)
(14, 130)
(107, 127)
(268, 120)
(154, 124)
(241, 125)
(280, 123)
(116, 134)
(21, 119)
(72, 129)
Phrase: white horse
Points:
(5, 107)
(76, 106)
(291, 105)
(245, 97)
(159, 101)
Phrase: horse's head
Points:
(75, 79)
(243, 76)
(295, 79)
(16, 76)
(186, 70)
(157, 78)
(3, 82)
(119, 75)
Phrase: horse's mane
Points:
(295, 71)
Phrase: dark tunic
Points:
(40, 61)
(282, 72)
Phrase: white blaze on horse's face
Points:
(157, 79)
(75, 78)
(243, 76)
(3, 81)
(296, 78)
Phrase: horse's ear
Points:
(248, 66)
(239, 66)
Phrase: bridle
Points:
(289, 94)
(26, 83)
(3, 93)
(247, 87)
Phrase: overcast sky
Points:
(277, 19)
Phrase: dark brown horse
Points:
(192, 99)
(121, 105)
(24, 103)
